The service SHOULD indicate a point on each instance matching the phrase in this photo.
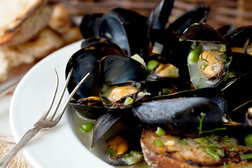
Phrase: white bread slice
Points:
(22, 19)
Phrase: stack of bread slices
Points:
(30, 30)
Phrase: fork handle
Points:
(28, 135)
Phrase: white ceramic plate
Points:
(58, 147)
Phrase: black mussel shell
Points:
(202, 32)
(127, 29)
(179, 112)
(117, 69)
(159, 16)
(84, 61)
(241, 63)
(195, 15)
(239, 36)
(107, 47)
(103, 124)
(92, 112)
(226, 29)
(243, 114)
(87, 60)
(238, 91)
(89, 26)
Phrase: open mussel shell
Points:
(86, 60)
(117, 69)
(179, 112)
(127, 29)
(196, 15)
(209, 58)
(89, 26)
(202, 32)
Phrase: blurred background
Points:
(237, 12)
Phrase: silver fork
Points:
(45, 121)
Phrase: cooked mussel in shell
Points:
(209, 58)
(179, 112)
(114, 80)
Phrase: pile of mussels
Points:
(148, 73)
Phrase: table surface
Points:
(6, 139)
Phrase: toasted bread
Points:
(190, 152)
(22, 19)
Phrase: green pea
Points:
(248, 140)
(87, 127)
(193, 56)
(151, 65)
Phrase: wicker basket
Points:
(222, 12)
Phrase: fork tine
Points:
(70, 96)
(54, 95)
(62, 94)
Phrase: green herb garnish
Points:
(201, 124)
(110, 152)
(214, 152)
(184, 142)
(246, 156)
(128, 101)
(160, 131)
(166, 91)
(133, 157)
(159, 143)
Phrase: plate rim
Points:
(14, 131)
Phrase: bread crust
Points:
(27, 24)
(156, 158)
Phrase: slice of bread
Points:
(22, 19)
(59, 31)
(191, 152)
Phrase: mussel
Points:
(179, 112)
(127, 29)
(114, 79)
(168, 51)
(209, 58)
